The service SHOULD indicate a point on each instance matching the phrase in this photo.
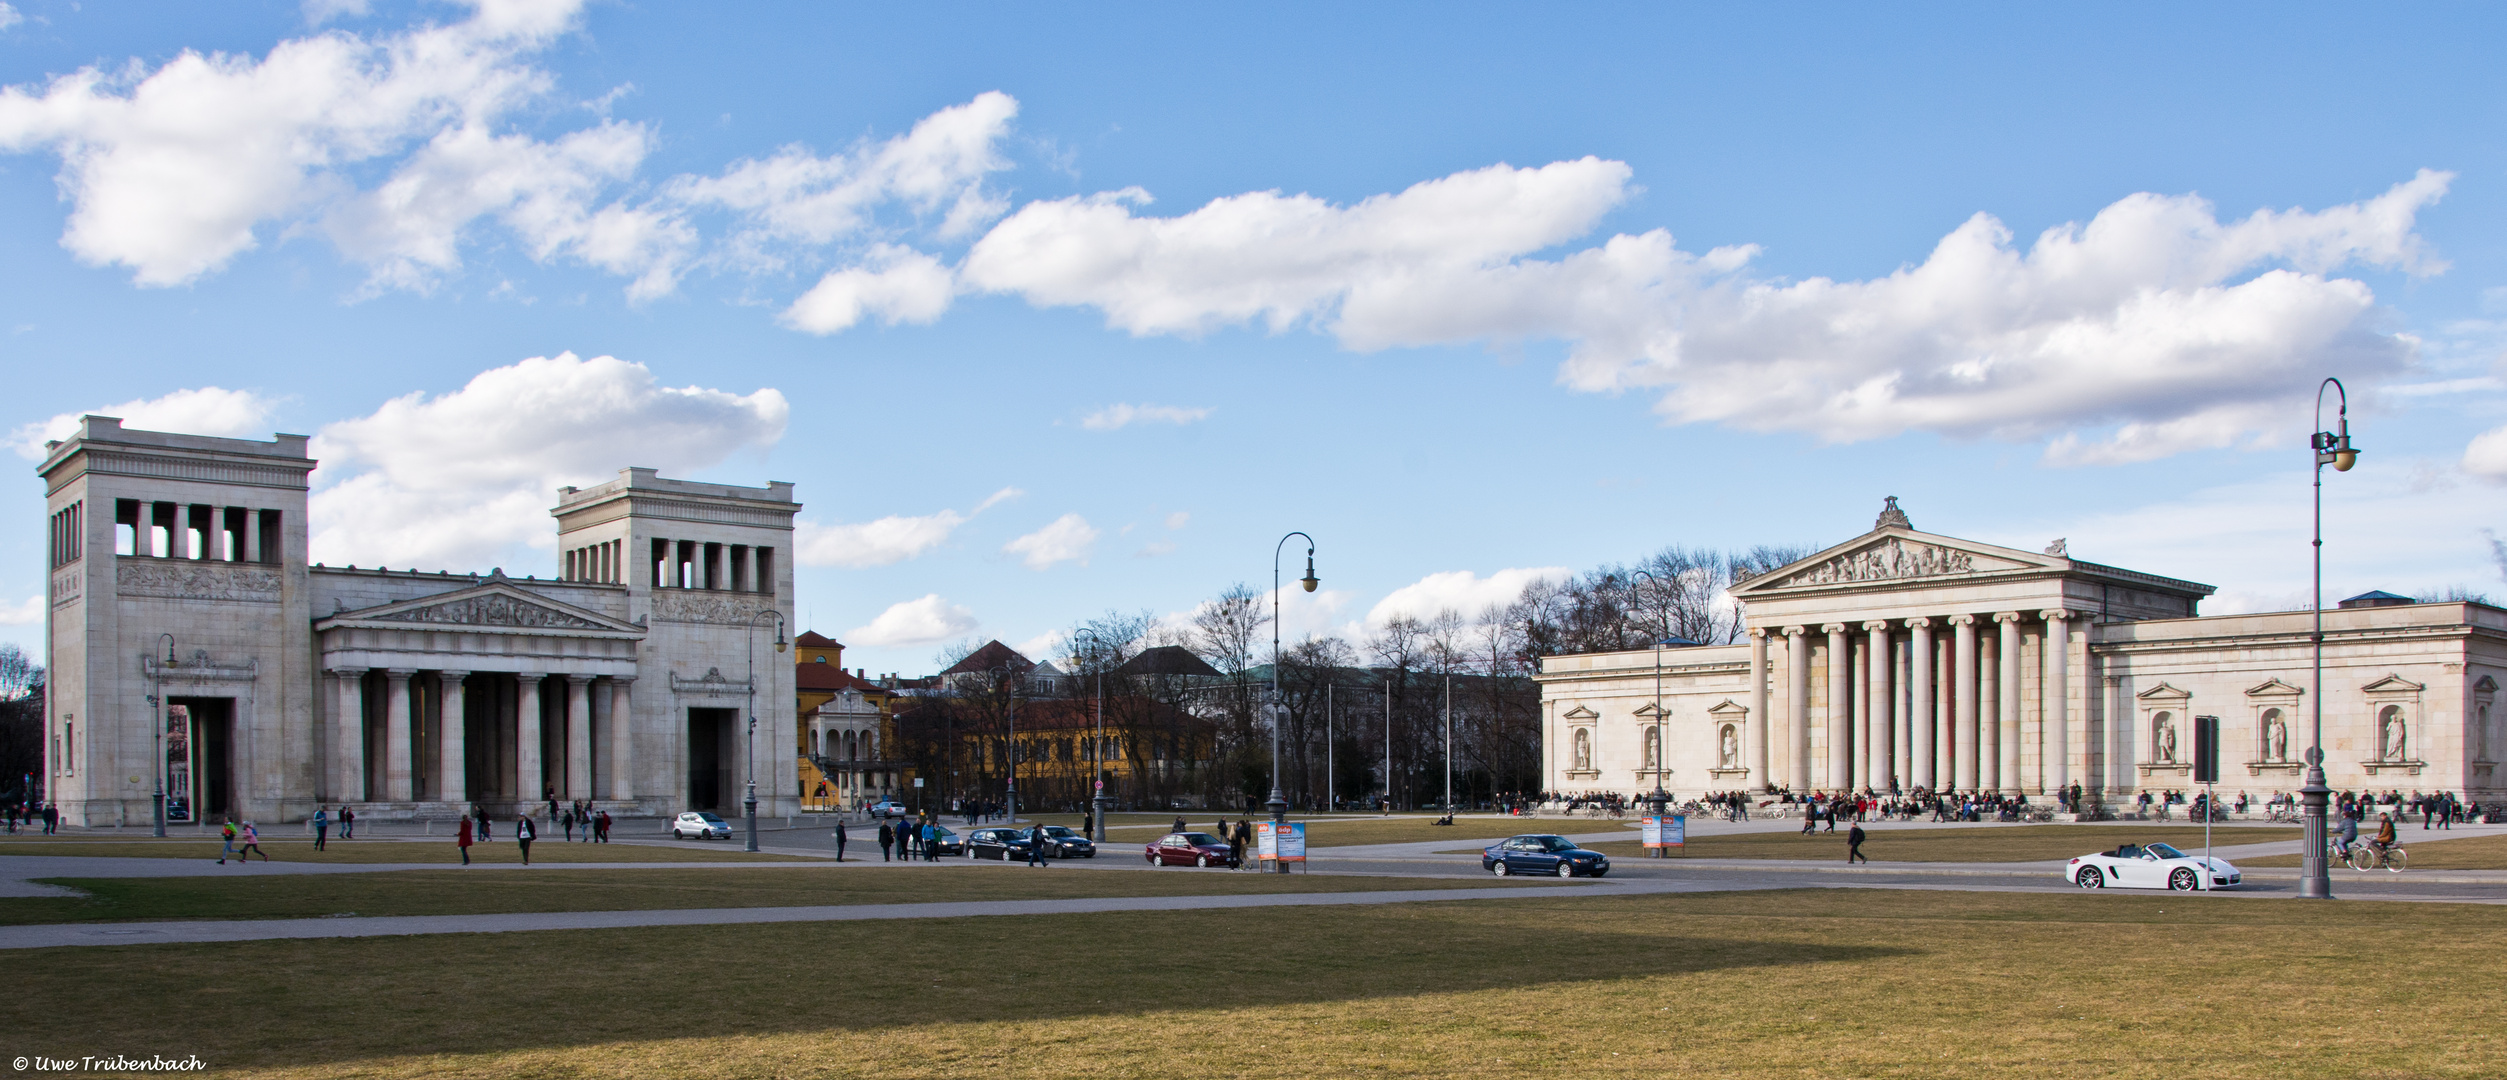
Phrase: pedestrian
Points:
(321, 828)
(347, 822)
(1179, 824)
(487, 828)
(1854, 846)
(566, 821)
(1036, 845)
(523, 835)
(52, 819)
(839, 840)
(885, 839)
(226, 834)
(251, 846)
(600, 826)
(931, 842)
(462, 840)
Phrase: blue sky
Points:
(1529, 289)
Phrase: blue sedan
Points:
(1537, 854)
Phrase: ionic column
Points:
(1840, 708)
(1945, 770)
(2056, 687)
(1758, 726)
(396, 745)
(1988, 704)
(1797, 662)
(1860, 727)
(348, 725)
(2009, 710)
(621, 737)
(454, 768)
(529, 781)
(1963, 694)
(1884, 656)
(578, 736)
(1919, 703)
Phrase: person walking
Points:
(566, 822)
(226, 834)
(600, 825)
(462, 839)
(321, 828)
(487, 827)
(52, 819)
(1854, 845)
(1036, 845)
(252, 845)
(839, 840)
(347, 822)
(523, 835)
(886, 837)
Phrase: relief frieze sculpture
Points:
(188, 580)
(1887, 561)
(674, 605)
(492, 611)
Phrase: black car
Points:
(1542, 854)
(943, 842)
(1064, 843)
(1007, 845)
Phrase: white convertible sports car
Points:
(2150, 866)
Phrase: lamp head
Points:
(1310, 581)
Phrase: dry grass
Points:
(1989, 843)
(440, 849)
(2435, 850)
(457, 892)
(1791, 984)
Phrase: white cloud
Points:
(2486, 456)
(1459, 590)
(206, 410)
(318, 12)
(29, 613)
(915, 622)
(2152, 329)
(460, 478)
(892, 539)
(1067, 539)
(1114, 417)
(897, 284)
(1155, 548)
(1178, 519)
(9, 17)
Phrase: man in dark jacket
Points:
(887, 838)
(1854, 846)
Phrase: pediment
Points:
(2393, 684)
(2274, 688)
(495, 605)
(1729, 709)
(1580, 713)
(1892, 555)
(1649, 710)
(2163, 692)
(2487, 685)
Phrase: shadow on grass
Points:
(308, 1003)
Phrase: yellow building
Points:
(844, 726)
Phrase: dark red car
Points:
(1187, 849)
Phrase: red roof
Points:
(828, 677)
(812, 639)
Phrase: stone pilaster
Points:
(621, 737)
(1758, 726)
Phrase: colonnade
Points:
(1935, 702)
(422, 719)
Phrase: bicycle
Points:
(2366, 857)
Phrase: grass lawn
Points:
(400, 851)
(1994, 843)
(1788, 984)
(2429, 851)
(456, 892)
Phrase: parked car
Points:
(1068, 843)
(887, 808)
(1007, 845)
(1187, 849)
(1537, 853)
(2150, 866)
(700, 825)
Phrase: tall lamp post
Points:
(158, 699)
(2315, 882)
(1097, 820)
(1009, 725)
(1662, 737)
(1279, 803)
(750, 803)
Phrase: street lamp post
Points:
(1009, 727)
(1279, 803)
(158, 699)
(750, 803)
(1662, 737)
(2332, 448)
(1097, 820)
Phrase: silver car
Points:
(701, 825)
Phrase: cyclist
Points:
(2349, 836)
(2384, 835)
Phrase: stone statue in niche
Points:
(2163, 737)
(1728, 752)
(2275, 736)
(1653, 748)
(2391, 736)
(1584, 749)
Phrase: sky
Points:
(1052, 311)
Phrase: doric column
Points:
(1797, 662)
(348, 742)
(1758, 726)
(1963, 698)
(621, 737)
(1840, 709)
(453, 768)
(578, 736)
(2056, 688)
(1877, 766)
(2008, 709)
(529, 782)
(1919, 702)
(396, 743)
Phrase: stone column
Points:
(2056, 686)
(578, 736)
(1963, 694)
(348, 745)
(1840, 709)
(453, 769)
(621, 737)
(1919, 702)
(1758, 726)
(529, 781)
(1797, 662)
(2008, 711)
(396, 742)
(1988, 720)
(1883, 657)
(1945, 770)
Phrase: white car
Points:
(887, 808)
(2150, 866)
(700, 825)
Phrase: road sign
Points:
(2206, 749)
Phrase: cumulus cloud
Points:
(207, 410)
(892, 539)
(1068, 538)
(896, 284)
(29, 613)
(9, 17)
(456, 479)
(915, 622)
(1459, 590)
(2151, 329)
(2486, 457)
(1179, 519)
(1115, 417)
